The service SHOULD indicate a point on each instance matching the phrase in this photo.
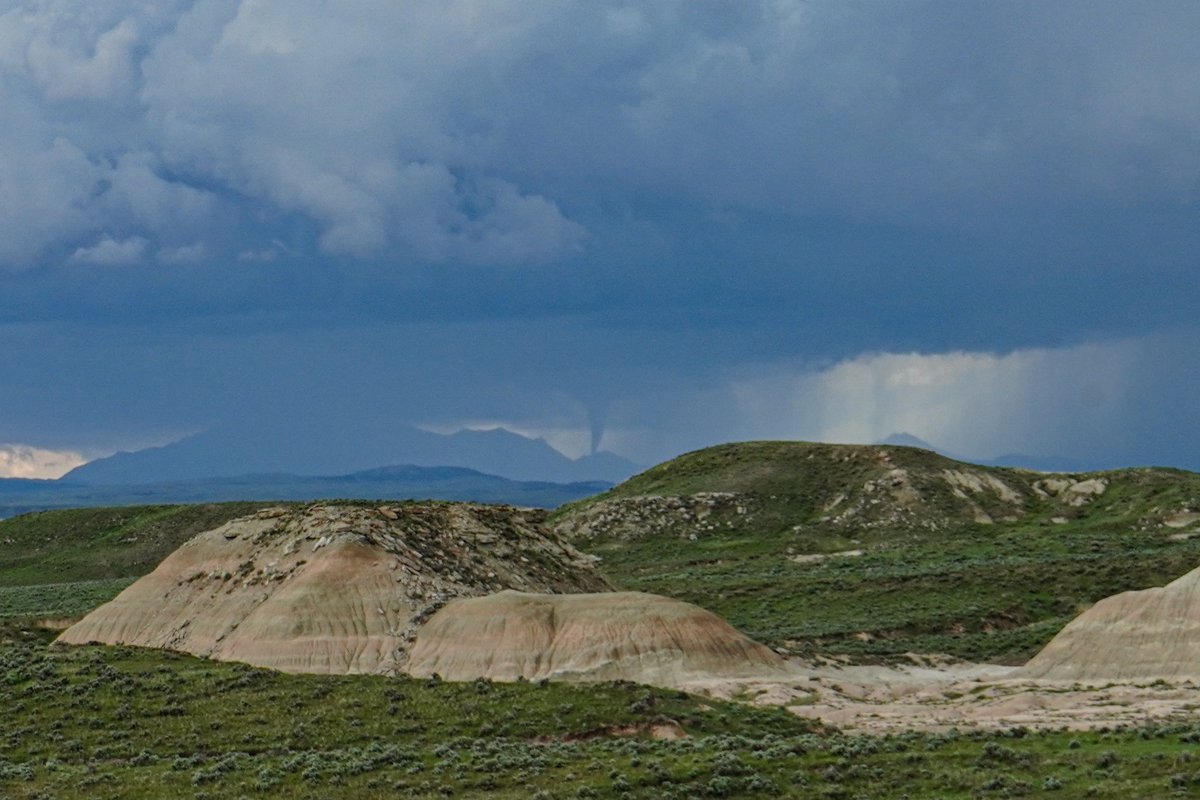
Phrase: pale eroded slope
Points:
(611, 636)
(1147, 634)
(333, 588)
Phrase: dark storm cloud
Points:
(458, 132)
(557, 212)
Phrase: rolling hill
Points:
(875, 551)
(865, 552)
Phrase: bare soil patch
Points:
(933, 696)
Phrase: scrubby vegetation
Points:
(983, 594)
(970, 573)
(58, 601)
(66, 562)
(96, 721)
(813, 548)
(120, 722)
(841, 550)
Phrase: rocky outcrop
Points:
(1071, 491)
(850, 489)
(334, 588)
(896, 499)
(635, 517)
(1147, 634)
(611, 636)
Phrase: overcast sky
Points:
(660, 225)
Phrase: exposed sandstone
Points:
(611, 636)
(1147, 634)
(333, 588)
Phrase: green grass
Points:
(59, 600)
(981, 594)
(87, 721)
(97, 722)
(932, 579)
(90, 554)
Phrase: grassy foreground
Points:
(98, 722)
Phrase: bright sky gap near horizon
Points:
(642, 228)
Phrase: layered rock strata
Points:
(334, 588)
(587, 637)
(1141, 635)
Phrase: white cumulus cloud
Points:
(184, 254)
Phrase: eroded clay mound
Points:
(333, 589)
(611, 636)
(1148, 634)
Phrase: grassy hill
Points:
(874, 551)
(860, 551)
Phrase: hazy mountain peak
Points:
(903, 439)
(327, 448)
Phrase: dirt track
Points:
(939, 697)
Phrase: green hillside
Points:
(67, 562)
(875, 551)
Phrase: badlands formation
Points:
(332, 588)
(1143, 635)
(593, 637)
(1129, 658)
(468, 591)
(352, 589)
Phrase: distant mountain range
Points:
(334, 449)
(19, 495)
(1023, 460)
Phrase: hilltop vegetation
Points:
(873, 551)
